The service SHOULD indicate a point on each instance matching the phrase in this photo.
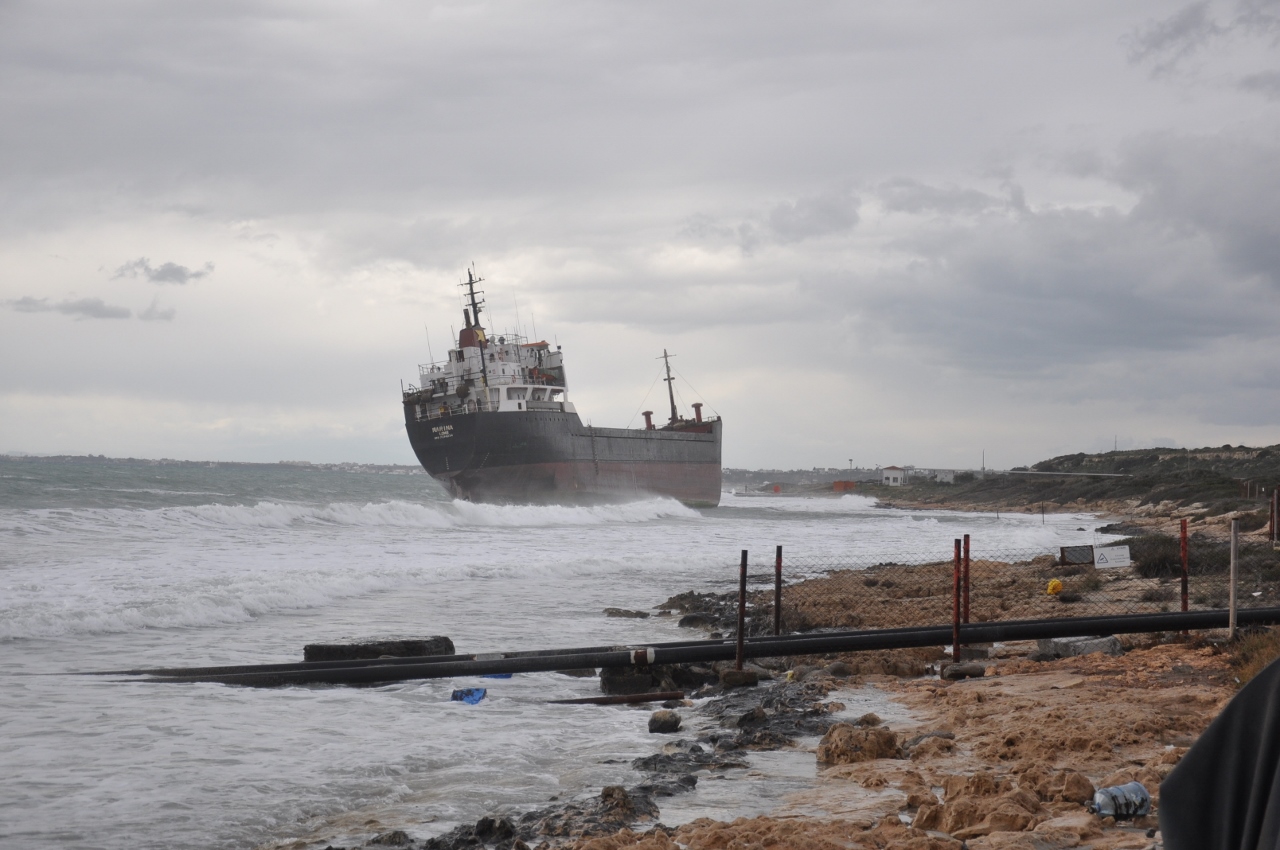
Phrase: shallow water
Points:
(116, 566)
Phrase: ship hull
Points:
(550, 457)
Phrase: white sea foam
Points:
(395, 513)
(847, 503)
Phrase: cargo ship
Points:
(493, 423)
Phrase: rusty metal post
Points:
(1274, 514)
(955, 605)
(1235, 569)
(1185, 565)
(777, 593)
(964, 577)
(742, 611)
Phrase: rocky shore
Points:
(1007, 759)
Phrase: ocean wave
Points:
(397, 514)
(91, 606)
(847, 503)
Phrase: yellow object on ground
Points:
(1054, 588)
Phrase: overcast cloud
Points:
(898, 234)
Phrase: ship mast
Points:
(472, 280)
(671, 394)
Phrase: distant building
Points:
(894, 476)
(946, 476)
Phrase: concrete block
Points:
(1073, 646)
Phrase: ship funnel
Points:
(648, 420)
(466, 317)
(697, 410)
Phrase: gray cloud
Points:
(154, 313)
(82, 308)
(1266, 83)
(164, 273)
(903, 194)
(1166, 42)
(831, 212)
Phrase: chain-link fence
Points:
(1011, 584)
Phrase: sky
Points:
(916, 233)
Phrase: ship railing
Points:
(503, 380)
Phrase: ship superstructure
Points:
(493, 422)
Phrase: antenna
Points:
(671, 393)
(476, 303)
(533, 317)
(429, 354)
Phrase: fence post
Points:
(1274, 515)
(955, 605)
(777, 593)
(964, 577)
(1235, 556)
(1184, 564)
(742, 610)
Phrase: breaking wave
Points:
(393, 514)
(847, 503)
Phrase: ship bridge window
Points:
(516, 393)
(539, 394)
(555, 391)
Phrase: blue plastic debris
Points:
(470, 696)
(496, 676)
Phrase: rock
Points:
(966, 670)
(868, 719)
(1076, 788)
(846, 744)
(839, 669)
(979, 652)
(1073, 646)
(374, 649)
(624, 680)
(396, 838)
(754, 718)
(627, 614)
(739, 678)
(664, 721)
(696, 621)
(940, 742)
(490, 830)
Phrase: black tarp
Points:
(1225, 793)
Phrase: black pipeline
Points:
(706, 651)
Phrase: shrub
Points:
(1157, 556)
(1252, 521)
(1253, 652)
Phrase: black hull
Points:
(550, 457)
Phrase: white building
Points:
(894, 476)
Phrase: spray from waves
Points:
(393, 514)
(847, 503)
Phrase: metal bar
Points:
(798, 645)
(1275, 514)
(1235, 563)
(777, 593)
(955, 605)
(964, 577)
(742, 608)
(1185, 564)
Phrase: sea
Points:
(114, 566)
